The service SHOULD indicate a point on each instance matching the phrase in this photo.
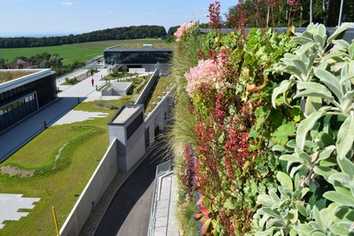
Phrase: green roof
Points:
(6, 76)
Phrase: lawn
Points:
(81, 52)
(62, 159)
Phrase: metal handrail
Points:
(164, 169)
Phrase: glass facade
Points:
(137, 57)
(19, 102)
(17, 110)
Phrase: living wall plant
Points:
(320, 158)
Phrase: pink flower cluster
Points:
(183, 29)
(293, 2)
(207, 73)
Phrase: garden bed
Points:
(264, 132)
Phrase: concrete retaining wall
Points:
(144, 95)
(91, 195)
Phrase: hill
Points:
(131, 32)
(80, 52)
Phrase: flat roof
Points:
(8, 75)
(125, 114)
(145, 49)
(20, 77)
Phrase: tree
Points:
(132, 32)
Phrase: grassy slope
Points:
(79, 52)
(58, 184)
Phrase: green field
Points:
(79, 52)
(62, 160)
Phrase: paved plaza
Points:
(11, 204)
(79, 116)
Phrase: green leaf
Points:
(326, 153)
(344, 27)
(346, 166)
(312, 104)
(305, 126)
(330, 81)
(291, 159)
(345, 137)
(342, 228)
(229, 204)
(285, 181)
(283, 87)
(312, 89)
(340, 198)
(282, 134)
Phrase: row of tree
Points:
(263, 13)
(43, 60)
(131, 32)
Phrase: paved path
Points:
(129, 212)
(163, 222)
(17, 136)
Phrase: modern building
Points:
(23, 92)
(139, 59)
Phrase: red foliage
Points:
(242, 18)
(214, 15)
(227, 224)
(237, 145)
(219, 112)
(188, 177)
(205, 137)
(272, 3)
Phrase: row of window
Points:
(137, 57)
(12, 93)
(18, 104)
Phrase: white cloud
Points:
(67, 3)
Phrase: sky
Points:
(51, 17)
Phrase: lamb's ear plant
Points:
(316, 50)
(326, 222)
(320, 158)
(281, 208)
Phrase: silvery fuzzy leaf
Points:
(345, 137)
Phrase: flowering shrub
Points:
(184, 29)
(208, 73)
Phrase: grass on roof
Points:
(11, 75)
(163, 86)
(63, 158)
